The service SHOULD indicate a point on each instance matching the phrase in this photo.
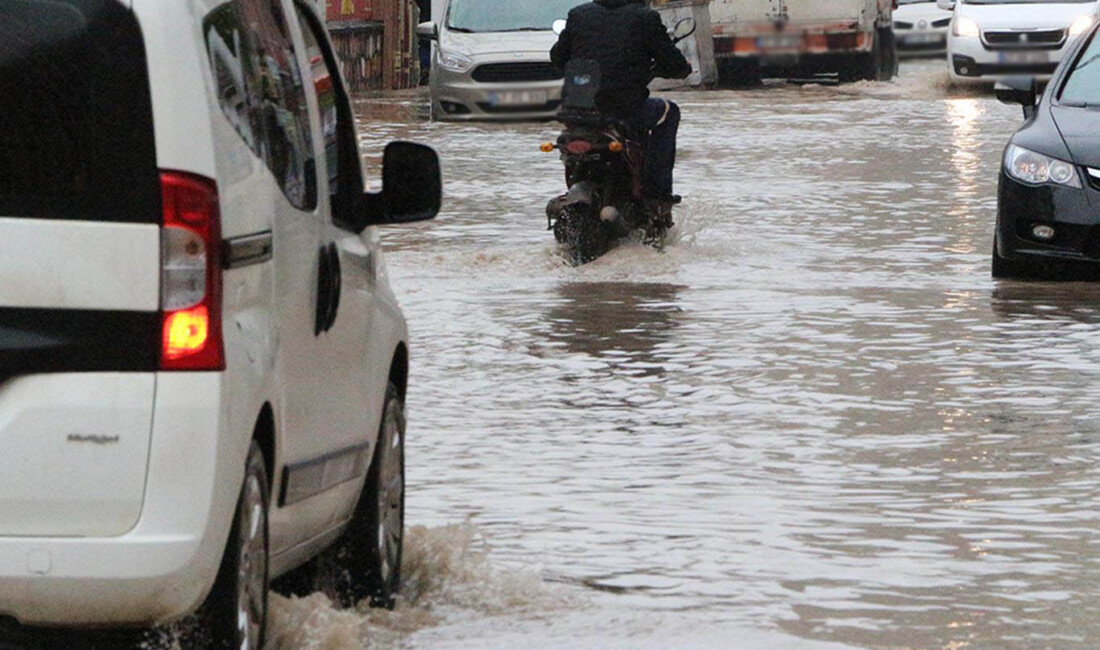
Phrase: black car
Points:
(1048, 217)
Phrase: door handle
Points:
(337, 279)
(324, 291)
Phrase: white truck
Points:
(799, 38)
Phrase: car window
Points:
(338, 125)
(261, 91)
(1083, 83)
(76, 114)
(323, 82)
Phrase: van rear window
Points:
(76, 117)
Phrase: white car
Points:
(491, 59)
(920, 28)
(991, 39)
(202, 366)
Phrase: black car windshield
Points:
(507, 15)
(1082, 86)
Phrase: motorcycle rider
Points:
(631, 46)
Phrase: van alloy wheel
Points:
(365, 563)
(234, 615)
(252, 569)
(391, 500)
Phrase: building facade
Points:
(376, 41)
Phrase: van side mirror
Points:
(946, 5)
(412, 187)
(427, 31)
(1019, 90)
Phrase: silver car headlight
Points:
(454, 62)
(1030, 167)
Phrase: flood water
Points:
(813, 421)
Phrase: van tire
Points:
(246, 552)
(365, 562)
(739, 72)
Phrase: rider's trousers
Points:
(662, 118)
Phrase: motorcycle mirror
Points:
(683, 29)
(558, 26)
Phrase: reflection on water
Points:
(814, 421)
(626, 322)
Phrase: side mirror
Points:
(412, 184)
(1019, 90)
(558, 26)
(427, 31)
(946, 5)
(683, 29)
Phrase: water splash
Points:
(447, 573)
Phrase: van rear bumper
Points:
(100, 582)
(162, 569)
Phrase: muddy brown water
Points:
(814, 421)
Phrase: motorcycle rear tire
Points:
(581, 233)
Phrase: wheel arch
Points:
(264, 434)
(399, 370)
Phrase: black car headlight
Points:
(1035, 168)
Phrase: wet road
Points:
(814, 421)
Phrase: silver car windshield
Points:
(507, 15)
(1082, 87)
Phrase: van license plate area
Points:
(779, 43)
(519, 98)
(1026, 57)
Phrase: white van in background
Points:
(202, 365)
(990, 39)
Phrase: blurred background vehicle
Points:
(994, 38)
(1050, 182)
(790, 38)
(491, 59)
(920, 28)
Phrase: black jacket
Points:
(631, 46)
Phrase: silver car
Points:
(491, 59)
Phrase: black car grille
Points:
(899, 24)
(942, 23)
(519, 71)
(1047, 39)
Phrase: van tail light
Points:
(190, 274)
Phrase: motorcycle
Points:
(604, 162)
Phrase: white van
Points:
(202, 365)
(990, 39)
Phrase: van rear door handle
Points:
(336, 277)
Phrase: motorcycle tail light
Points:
(579, 147)
(615, 146)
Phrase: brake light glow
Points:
(578, 147)
(185, 332)
(191, 281)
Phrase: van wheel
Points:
(737, 72)
(366, 561)
(234, 615)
